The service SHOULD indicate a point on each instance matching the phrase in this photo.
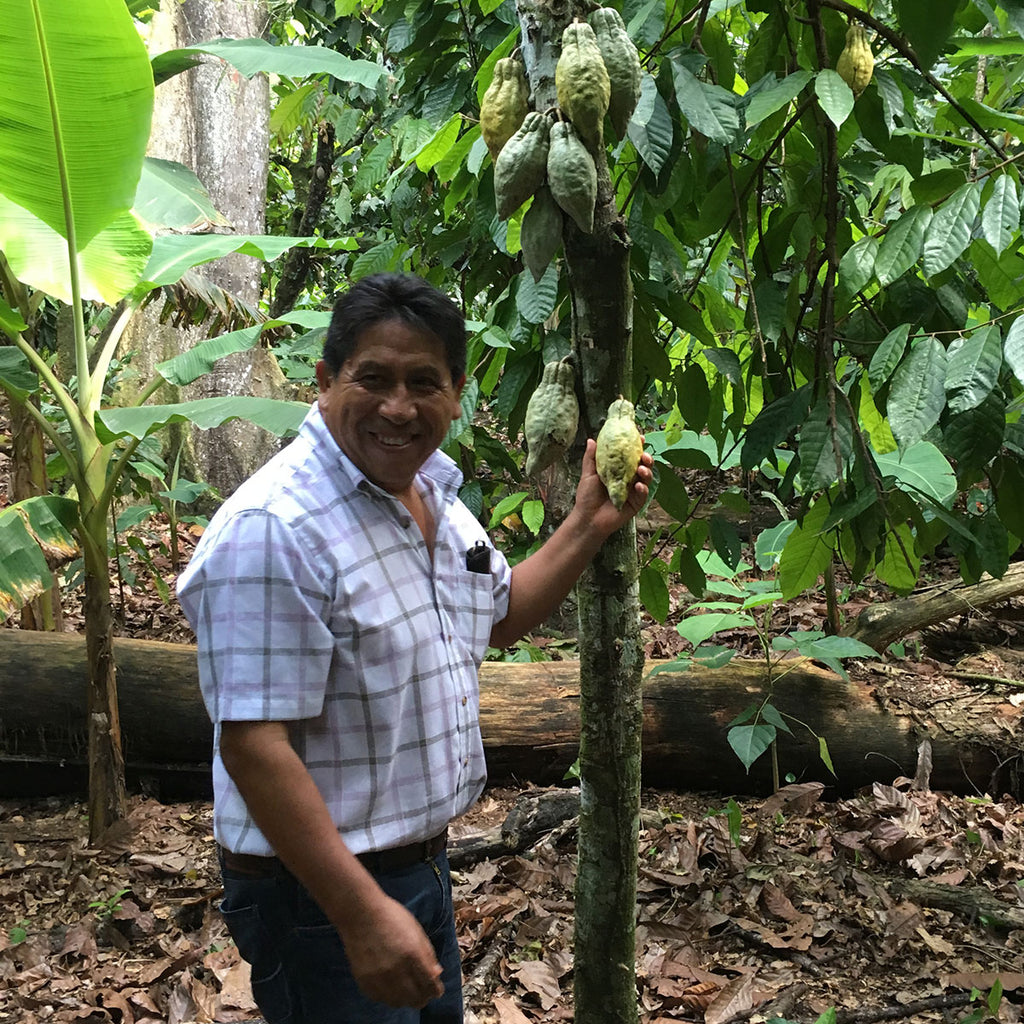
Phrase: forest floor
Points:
(895, 903)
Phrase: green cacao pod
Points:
(581, 81)
(541, 232)
(619, 447)
(572, 176)
(552, 416)
(622, 63)
(856, 63)
(504, 105)
(521, 164)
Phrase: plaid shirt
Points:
(314, 601)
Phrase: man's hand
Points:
(592, 499)
(391, 957)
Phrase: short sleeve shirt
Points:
(315, 602)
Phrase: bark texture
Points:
(215, 121)
(529, 717)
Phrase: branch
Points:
(903, 48)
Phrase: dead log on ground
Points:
(879, 625)
(529, 719)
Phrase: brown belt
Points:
(375, 861)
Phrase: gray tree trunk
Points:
(611, 654)
(215, 121)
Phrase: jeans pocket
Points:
(257, 946)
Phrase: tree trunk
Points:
(611, 657)
(529, 716)
(215, 121)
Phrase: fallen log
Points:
(879, 625)
(529, 720)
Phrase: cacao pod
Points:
(622, 62)
(504, 105)
(619, 447)
(572, 176)
(521, 164)
(856, 63)
(552, 416)
(581, 81)
(541, 232)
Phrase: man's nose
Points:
(398, 404)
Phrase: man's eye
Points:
(427, 384)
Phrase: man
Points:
(343, 599)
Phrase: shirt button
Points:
(465, 762)
(463, 701)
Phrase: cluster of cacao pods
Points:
(856, 63)
(598, 73)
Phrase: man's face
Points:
(391, 403)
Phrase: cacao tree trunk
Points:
(611, 656)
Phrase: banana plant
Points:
(76, 102)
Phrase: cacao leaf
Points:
(949, 231)
(902, 245)
(1001, 216)
(972, 368)
(917, 395)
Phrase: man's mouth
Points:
(392, 441)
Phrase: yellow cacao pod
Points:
(581, 81)
(552, 416)
(521, 164)
(504, 105)
(856, 63)
(622, 62)
(572, 176)
(619, 447)
(541, 232)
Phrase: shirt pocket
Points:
(468, 600)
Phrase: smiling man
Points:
(343, 599)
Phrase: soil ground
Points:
(895, 903)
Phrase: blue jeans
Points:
(300, 974)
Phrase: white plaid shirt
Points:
(314, 601)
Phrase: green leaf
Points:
(749, 742)
(771, 715)
(917, 395)
(900, 563)
(109, 267)
(834, 95)
(836, 647)
(1013, 349)
(920, 468)
(654, 594)
(506, 507)
(174, 254)
(89, 72)
(193, 363)
(807, 553)
(709, 109)
(972, 368)
(17, 377)
(1000, 219)
(826, 758)
(771, 94)
(536, 300)
(251, 56)
(670, 493)
(171, 196)
(887, 356)
(927, 26)
(901, 247)
(697, 628)
(821, 444)
(533, 515)
(467, 403)
(857, 267)
(949, 231)
(770, 542)
(650, 128)
(11, 321)
(30, 532)
(438, 146)
(973, 437)
(280, 418)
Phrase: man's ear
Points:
(458, 386)
(324, 378)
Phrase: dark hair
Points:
(404, 297)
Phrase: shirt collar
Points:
(439, 469)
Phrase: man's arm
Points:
(541, 582)
(392, 959)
